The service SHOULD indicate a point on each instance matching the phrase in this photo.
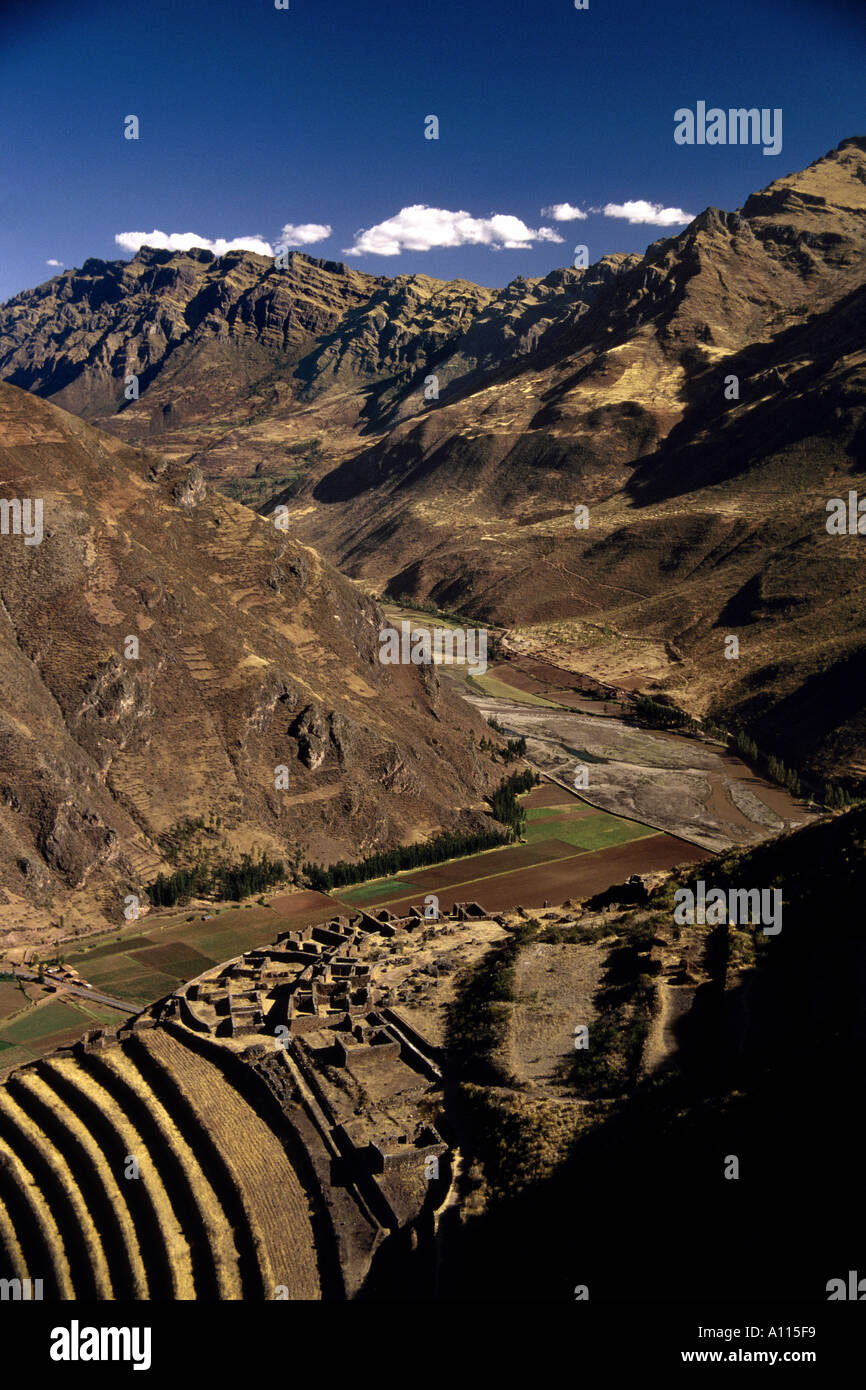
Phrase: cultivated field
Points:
(28, 1031)
(572, 851)
(140, 964)
(534, 683)
(155, 954)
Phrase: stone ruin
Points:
(305, 1013)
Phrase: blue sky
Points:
(253, 118)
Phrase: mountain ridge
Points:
(607, 387)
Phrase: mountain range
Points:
(703, 402)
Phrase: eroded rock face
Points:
(116, 709)
(321, 733)
(124, 318)
(311, 731)
(76, 844)
(190, 489)
(36, 878)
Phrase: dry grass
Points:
(273, 1198)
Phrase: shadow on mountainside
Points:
(770, 1070)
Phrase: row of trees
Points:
(837, 797)
(661, 716)
(776, 770)
(832, 795)
(223, 880)
(745, 746)
(785, 776)
(514, 747)
(451, 844)
(504, 804)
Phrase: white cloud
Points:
(303, 234)
(52, 262)
(420, 228)
(564, 212)
(185, 241)
(638, 210)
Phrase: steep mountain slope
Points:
(76, 338)
(707, 498)
(251, 655)
(691, 1063)
(635, 348)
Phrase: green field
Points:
(28, 1032)
(220, 946)
(490, 685)
(586, 832)
(102, 1014)
(16, 1056)
(48, 1026)
(127, 975)
(142, 968)
(362, 892)
(145, 988)
(111, 947)
(53, 1017)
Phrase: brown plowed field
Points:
(512, 675)
(491, 865)
(565, 689)
(541, 673)
(575, 875)
(549, 794)
(305, 906)
(569, 700)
